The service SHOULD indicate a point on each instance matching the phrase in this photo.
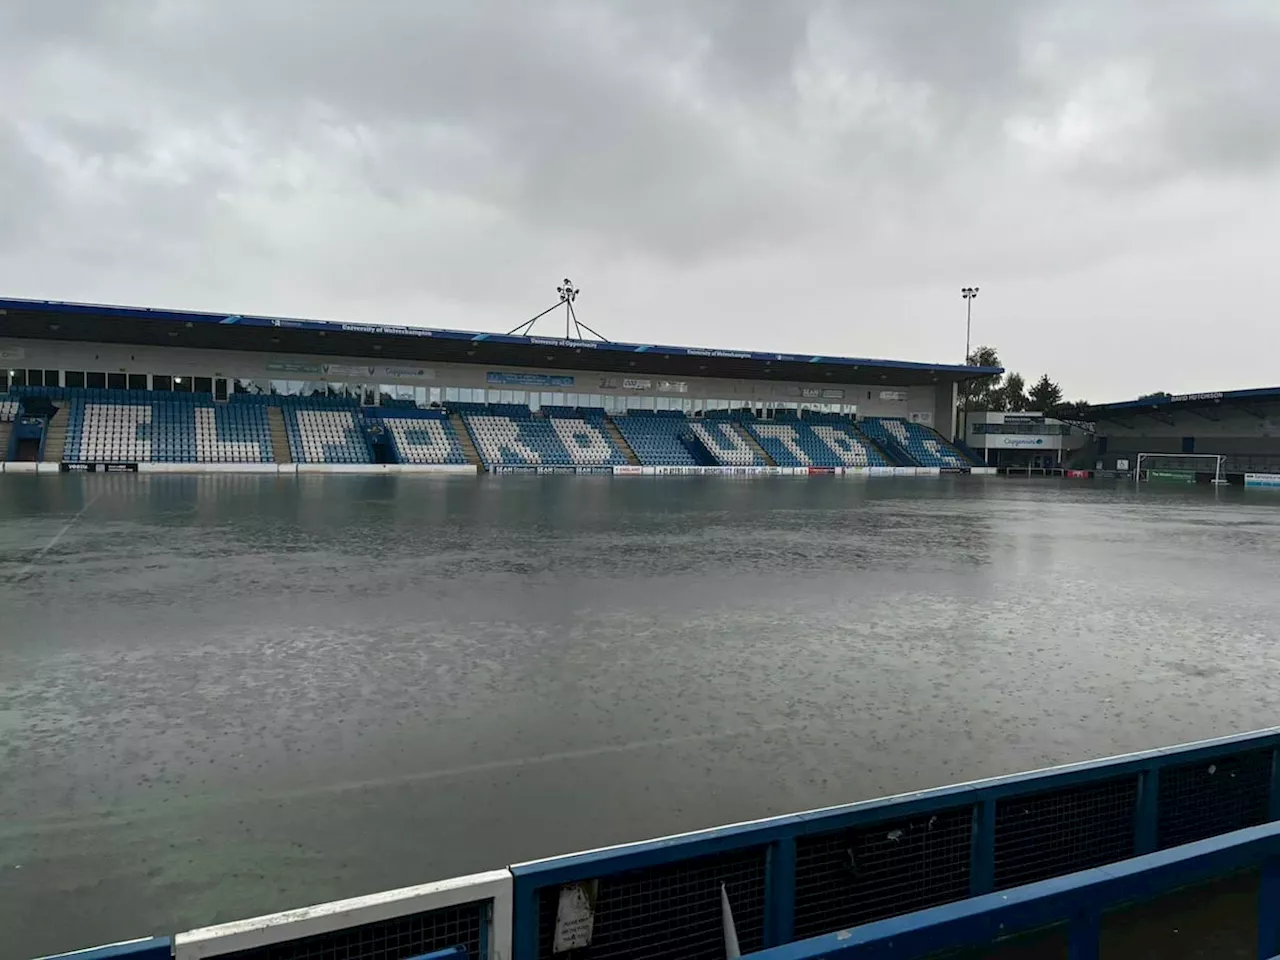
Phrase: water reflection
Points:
(231, 694)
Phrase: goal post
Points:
(1178, 467)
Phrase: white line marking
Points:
(56, 537)
(57, 822)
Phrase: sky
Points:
(798, 176)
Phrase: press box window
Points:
(96, 381)
(75, 379)
(117, 381)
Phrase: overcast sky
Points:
(782, 175)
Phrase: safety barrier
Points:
(759, 471)
(1076, 901)
(468, 469)
(808, 874)
(471, 912)
(373, 469)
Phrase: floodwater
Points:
(222, 696)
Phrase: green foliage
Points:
(1015, 393)
(1045, 395)
(983, 391)
(1008, 393)
(1070, 410)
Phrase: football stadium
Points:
(94, 388)
(268, 715)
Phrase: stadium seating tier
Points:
(801, 443)
(924, 445)
(512, 435)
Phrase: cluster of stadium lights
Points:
(568, 293)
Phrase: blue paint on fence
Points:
(1077, 899)
(148, 948)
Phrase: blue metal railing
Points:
(1077, 900)
(804, 875)
(148, 948)
(830, 869)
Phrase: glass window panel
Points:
(117, 381)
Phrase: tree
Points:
(981, 391)
(1071, 410)
(1158, 395)
(1045, 395)
(1009, 393)
(1015, 392)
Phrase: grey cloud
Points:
(457, 150)
(28, 191)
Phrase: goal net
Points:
(1179, 467)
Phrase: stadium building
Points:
(1231, 435)
(1025, 440)
(88, 387)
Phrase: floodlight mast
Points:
(573, 327)
(969, 294)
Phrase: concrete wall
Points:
(871, 399)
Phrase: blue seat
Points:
(923, 444)
(657, 437)
(816, 442)
(422, 436)
(512, 435)
(142, 425)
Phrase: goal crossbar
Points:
(1178, 465)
